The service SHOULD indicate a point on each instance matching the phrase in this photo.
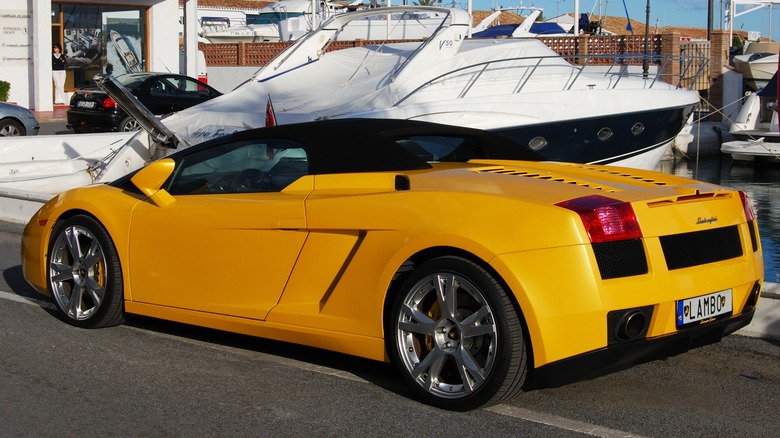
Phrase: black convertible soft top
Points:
(372, 145)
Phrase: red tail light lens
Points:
(109, 103)
(749, 214)
(605, 219)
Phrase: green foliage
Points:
(426, 3)
(5, 88)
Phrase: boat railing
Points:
(576, 69)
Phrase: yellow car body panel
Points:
(215, 253)
(313, 264)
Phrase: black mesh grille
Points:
(701, 247)
(623, 258)
(753, 237)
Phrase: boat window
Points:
(250, 166)
(605, 134)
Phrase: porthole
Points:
(604, 134)
(537, 143)
(638, 128)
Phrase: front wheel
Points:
(11, 128)
(455, 336)
(85, 277)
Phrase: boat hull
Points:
(752, 150)
(612, 138)
(246, 34)
(757, 69)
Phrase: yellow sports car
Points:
(425, 245)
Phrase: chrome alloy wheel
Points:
(77, 272)
(446, 335)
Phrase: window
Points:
(162, 87)
(100, 39)
(247, 166)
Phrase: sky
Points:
(688, 13)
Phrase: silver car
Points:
(17, 120)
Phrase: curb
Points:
(766, 321)
(18, 206)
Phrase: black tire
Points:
(11, 128)
(433, 348)
(129, 124)
(84, 274)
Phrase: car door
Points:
(229, 241)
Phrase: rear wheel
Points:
(84, 274)
(129, 124)
(11, 128)
(455, 336)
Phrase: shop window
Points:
(102, 39)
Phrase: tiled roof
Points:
(504, 18)
(232, 4)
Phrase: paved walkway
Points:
(59, 113)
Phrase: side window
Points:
(243, 167)
(191, 88)
(162, 87)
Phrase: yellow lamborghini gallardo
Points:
(433, 247)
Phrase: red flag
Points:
(270, 117)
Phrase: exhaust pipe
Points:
(632, 325)
(629, 324)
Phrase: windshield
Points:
(132, 80)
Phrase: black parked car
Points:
(92, 110)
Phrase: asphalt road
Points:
(151, 378)
(54, 127)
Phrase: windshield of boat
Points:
(270, 17)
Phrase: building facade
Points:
(97, 36)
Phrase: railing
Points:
(259, 54)
(514, 74)
(620, 50)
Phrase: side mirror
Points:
(150, 179)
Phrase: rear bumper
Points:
(80, 121)
(618, 357)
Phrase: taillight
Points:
(749, 214)
(605, 219)
(109, 103)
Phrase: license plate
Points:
(85, 104)
(704, 309)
